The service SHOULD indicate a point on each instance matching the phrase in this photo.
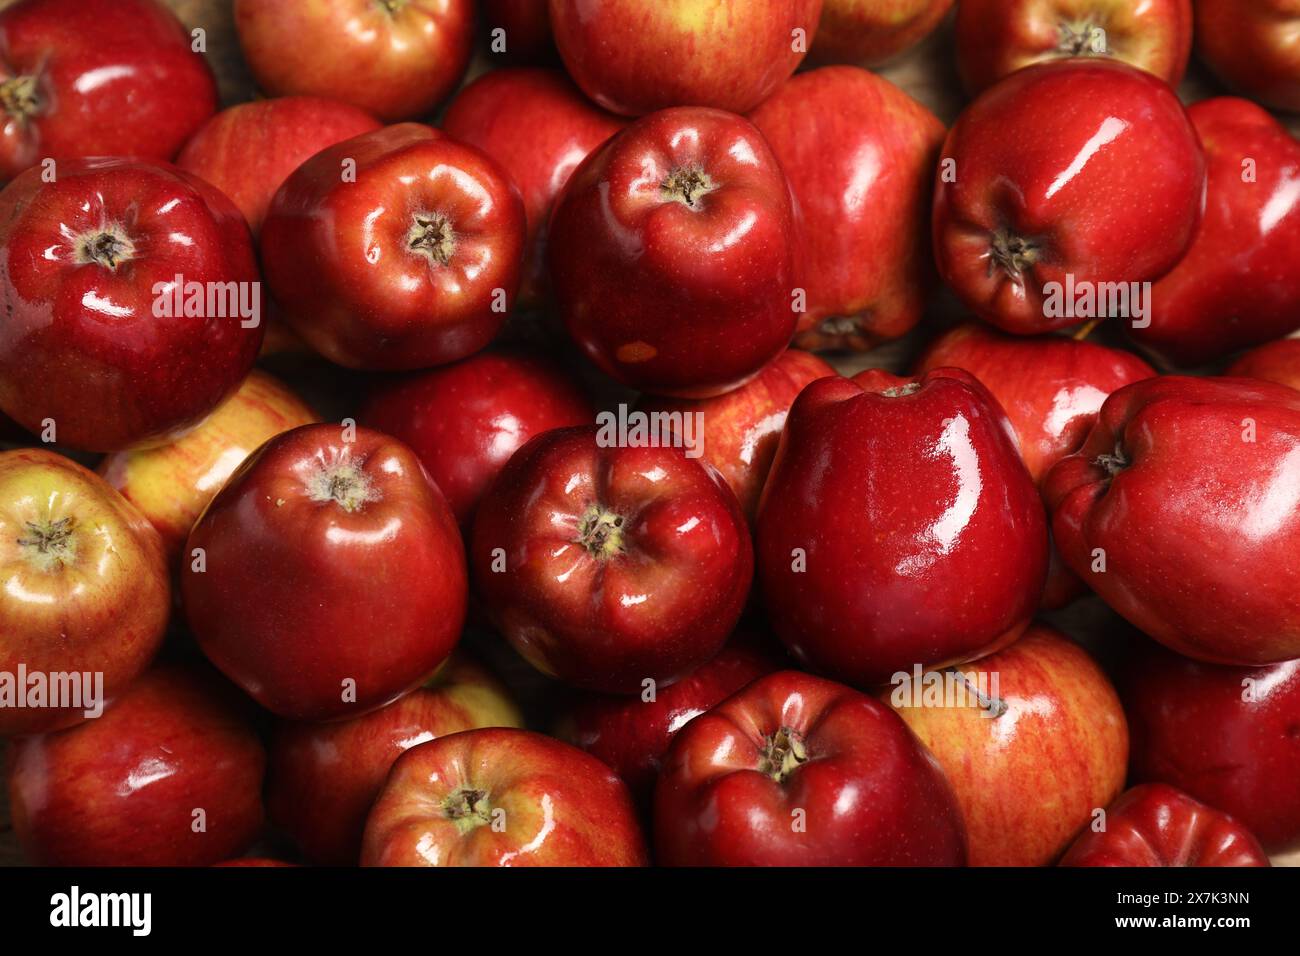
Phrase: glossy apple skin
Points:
(249, 150)
(327, 560)
(111, 78)
(860, 155)
(870, 32)
(743, 427)
(1199, 525)
(870, 793)
(1238, 285)
(898, 526)
(1224, 735)
(1158, 825)
(621, 564)
(1253, 47)
(686, 292)
(1275, 362)
(1028, 779)
(539, 127)
(632, 734)
(341, 261)
(171, 484)
(633, 57)
(323, 778)
(558, 806)
(95, 598)
(998, 37)
(122, 790)
(397, 61)
(79, 341)
(1084, 167)
(465, 420)
(527, 26)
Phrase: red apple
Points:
(99, 341)
(396, 59)
(634, 57)
(1074, 176)
(1275, 362)
(249, 150)
(538, 126)
(171, 484)
(1225, 735)
(415, 263)
(86, 588)
(1238, 285)
(671, 254)
(171, 775)
(97, 78)
(607, 563)
(998, 37)
(1254, 47)
(860, 156)
(327, 577)
(1032, 739)
(742, 427)
(501, 797)
(323, 778)
(1182, 510)
(465, 420)
(799, 771)
(632, 734)
(869, 32)
(1157, 825)
(898, 526)
(525, 27)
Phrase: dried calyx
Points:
(50, 545)
(601, 532)
(109, 246)
(19, 98)
(468, 809)
(687, 185)
(1011, 253)
(1082, 39)
(343, 482)
(1113, 463)
(432, 235)
(782, 752)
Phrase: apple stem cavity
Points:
(687, 185)
(108, 247)
(19, 98)
(1012, 254)
(344, 483)
(783, 752)
(468, 809)
(1113, 463)
(50, 545)
(601, 532)
(432, 236)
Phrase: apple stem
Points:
(468, 809)
(109, 247)
(783, 751)
(344, 483)
(601, 532)
(994, 706)
(1115, 462)
(687, 185)
(19, 98)
(432, 236)
(1012, 253)
(50, 545)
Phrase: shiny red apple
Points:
(898, 526)
(634, 57)
(795, 770)
(130, 304)
(412, 260)
(1254, 47)
(1275, 362)
(396, 59)
(502, 797)
(870, 32)
(171, 775)
(1158, 825)
(860, 155)
(327, 578)
(1064, 179)
(672, 254)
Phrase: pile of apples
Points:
(746, 638)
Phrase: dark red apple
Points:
(1275, 362)
(1182, 510)
(1225, 735)
(898, 526)
(171, 775)
(1158, 825)
(130, 304)
(1254, 47)
(249, 150)
(327, 578)
(1069, 177)
(525, 27)
(606, 563)
(412, 261)
(396, 59)
(502, 797)
(1238, 285)
(97, 78)
(870, 32)
(795, 770)
(634, 57)
(860, 156)
(539, 127)
(672, 254)
(323, 778)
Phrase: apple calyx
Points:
(600, 531)
(687, 185)
(433, 237)
(19, 98)
(468, 809)
(393, 6)
(344, 483)
(1012, 254)
(1082, 39)
(50, 545)
(1113, 463)
(782, 753)
(109, 247)
(901, 391)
